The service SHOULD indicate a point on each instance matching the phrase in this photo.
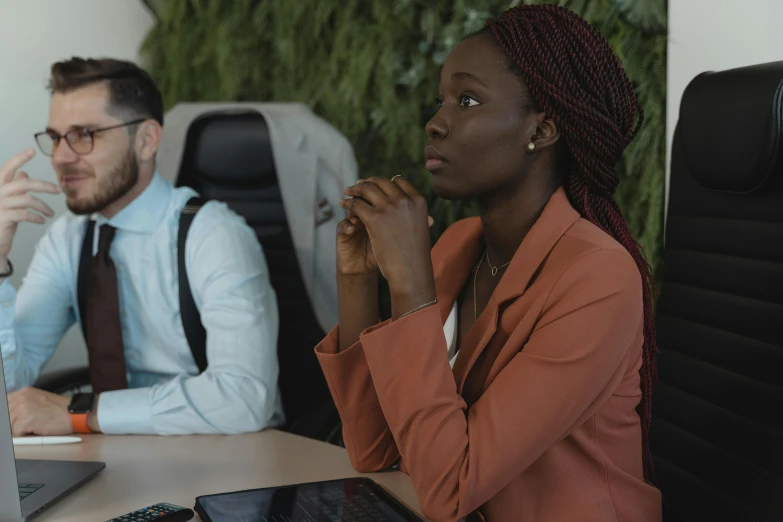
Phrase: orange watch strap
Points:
(79, 423)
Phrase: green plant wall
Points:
(371, 67)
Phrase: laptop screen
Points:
(10, 508)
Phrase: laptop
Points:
(27, 487)
(343, 500)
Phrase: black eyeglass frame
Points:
(80, 133)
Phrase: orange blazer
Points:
(537, 420)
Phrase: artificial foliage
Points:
(371, 67)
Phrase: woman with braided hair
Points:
(513, 380)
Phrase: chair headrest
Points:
(230, 148)
(731, 124)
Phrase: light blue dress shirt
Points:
(229, 279)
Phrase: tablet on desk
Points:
(346, 500)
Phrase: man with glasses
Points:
(105, 126)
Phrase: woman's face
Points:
(479, 136)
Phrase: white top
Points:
(450, 331)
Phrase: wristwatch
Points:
(80, 407)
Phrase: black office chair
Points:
(228, 157)
(717, 432)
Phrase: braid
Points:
(578, 81)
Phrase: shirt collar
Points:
(143, 214)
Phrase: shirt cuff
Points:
(420, 331)
(331, 343)
(126, 412)
(347, 375)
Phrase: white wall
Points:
(714, 35)
(33, 35)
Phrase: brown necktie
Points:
(104, 331)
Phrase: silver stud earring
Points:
(531, 146)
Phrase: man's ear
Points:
(148, 138)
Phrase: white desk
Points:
(142, 470)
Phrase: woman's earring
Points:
(531, 146)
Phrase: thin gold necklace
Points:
(494, 269)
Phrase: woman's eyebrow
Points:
(467, 76)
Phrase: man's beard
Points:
(112, 187)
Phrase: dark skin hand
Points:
(382, 213)
(478, 150)
(395, 219)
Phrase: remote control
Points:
(162, 512)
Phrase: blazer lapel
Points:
(558, 216)
(452, 263)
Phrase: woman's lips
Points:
(434, 164)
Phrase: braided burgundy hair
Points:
(573, 75)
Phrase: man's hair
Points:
(132, 93)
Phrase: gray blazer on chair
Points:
(314, 163)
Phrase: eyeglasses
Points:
(80, 141)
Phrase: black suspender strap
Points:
(191, 318)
